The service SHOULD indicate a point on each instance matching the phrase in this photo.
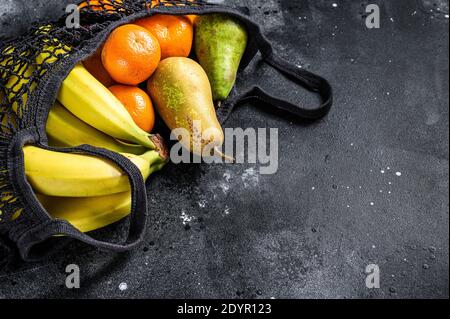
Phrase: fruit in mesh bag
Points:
(85, 97)
(78, 175)
(66, 130)
(95, 66)
(138, 104)
(182, 95)
(220, 43)
(88, 213)
(131, 54)
(81, 93)
(101, 5)
(174, 33)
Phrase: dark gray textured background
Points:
(310, 230)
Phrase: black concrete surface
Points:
(336, 204)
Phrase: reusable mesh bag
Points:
(29, 89)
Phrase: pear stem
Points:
(224, 156)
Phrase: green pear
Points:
(220, 43)
(181, 92)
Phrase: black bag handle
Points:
(297, 75)
(50, 228)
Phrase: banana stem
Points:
(131, 148)
(160, 156)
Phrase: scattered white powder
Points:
(250, 178)
(398, 174)
(227, 176)
(202, 204)
(123, 286)
(225, 187)
(185, 218)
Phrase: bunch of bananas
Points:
(87, 191)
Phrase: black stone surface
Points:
(310, 230)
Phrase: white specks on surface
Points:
(373, 246)
(313, 188)
(372, 204)
(382, 171)
(250, 178)
(185, 218)
(227, 211)
(202, 203)
(446, 16)
(334, 5)
(227, 176)
(392, 19)
(224, 187)
(123, 286)
(388, 93)
(398, 174)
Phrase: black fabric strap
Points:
(51, 228)
(299, 76)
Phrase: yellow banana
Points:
(84, 96)
(78, 175)
(66, 130)
(7, 61)
(88, 213)
(91, 213)
(16, 87)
